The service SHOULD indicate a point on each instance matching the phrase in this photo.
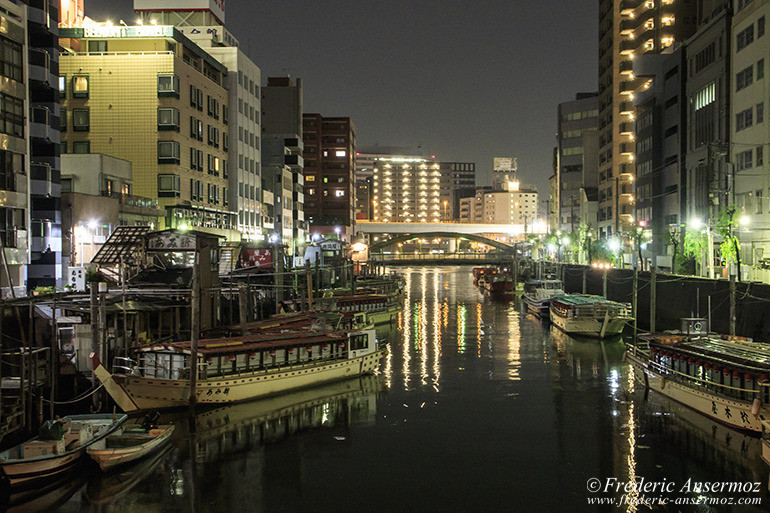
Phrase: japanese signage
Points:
(504, 164)
(219, 34)
(256, 257)
(76, 278)
(170, 241)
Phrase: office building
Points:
(577, 157)
(330, 162)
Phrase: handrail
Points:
(667, 370)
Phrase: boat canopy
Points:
(726, 352)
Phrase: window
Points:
(759, 152)
(225, 170)
(213, 109)
(213, 165)
(80, 120)
(80, 86)
(745, 37)
(11, 164)
(168, 152)
(63, 120)
(11, 59)
(194, 159)
(743, 3)
(743, 160)
(168, 86)
(744, 78)
(758, 201)
(310, 178)
(81, 147)
(213, 139)
(760, 69)
(760, 112)
(168, 118)
(760, 27)
(340, 153)
(97, 47)
(225, 142)
(705, 57)
(168, 186)
(340, 193)
(11, 116)
(311, 192)
(744, 119)
(225, 114)
(63, 86)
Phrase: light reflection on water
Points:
(483, 409)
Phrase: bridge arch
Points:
(505, 248)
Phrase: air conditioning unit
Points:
(695, 326)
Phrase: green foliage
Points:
(695, 243)
(725, 227)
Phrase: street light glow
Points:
(614, 245)
(696, 223)
(744, 220)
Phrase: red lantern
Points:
(325, 346)
(690, 361)
(309, 349)
(341, 345)
(736, 374)
(699, 363)
(726, 371)
(209, 359)
(231, 357)
(763, 377)
(272, 352)
(291, 350)
(748, 377)
(708, 365)
(252, 356)
(716, 368)
(682, 358)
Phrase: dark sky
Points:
(468, 80)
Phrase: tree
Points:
(695, 243)
(730, 248)
(674, 241)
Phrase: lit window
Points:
(340, 193)
(80, 86)
(62, 86)
(340, 153)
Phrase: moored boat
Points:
(379, 308)
(39, 459)
(238, 368)
(538, 295)
(588, 315)
(132, 443)
(722, 377)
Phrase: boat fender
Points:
(755, 406)
(662, 383)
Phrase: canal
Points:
(476, 407)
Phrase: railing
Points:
(132, 201)
(437, 256)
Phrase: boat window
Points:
(359, 342)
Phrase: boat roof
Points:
(227, 345)
(745, 354)
(584, 299)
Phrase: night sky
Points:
(468, 81)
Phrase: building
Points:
(453, 177)
(406, 189)
(16, 210)
(97, 197)
(45, 267)
(708, 115)
(576, 156)
(628, 29)
(149, 95)
(283, 163)
(330, 162)
(661, 111)
(507, 202)
(750, 134)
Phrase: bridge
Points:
(508, 230)
(491, 258)
(504, 248)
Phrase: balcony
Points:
(626, 67)
(626, 129)
(294, 161)
(39, 65)
(627, 149)
(626, 108)
(136, 204)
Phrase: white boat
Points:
(238, 368)
(538, 295)
(130, 444)
(587, 315)
(724, 378)
(35, 460)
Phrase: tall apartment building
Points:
(330, 162)
(149, 95)
(406, 189)
(577, 146)
(463, 177)
(15, 212)
(661, 126)
(44, 171)
(749, 132)
(708, 115)
(628, 29)
(203, 22)
(283, 164)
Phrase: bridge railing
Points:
(439, 256)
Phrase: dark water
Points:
(476, 408)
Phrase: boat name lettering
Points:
(218, 391)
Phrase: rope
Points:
(77, 399)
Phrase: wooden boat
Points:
(132, 443)
(722, 377)
(587, 315)
(238, 368)
(538, 295)
(36, 460)
(108, 487)
(379, 308)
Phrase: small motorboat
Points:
(133, 442)
(59, 447)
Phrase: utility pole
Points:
(243, 308)
(652, 299)
(94, 333)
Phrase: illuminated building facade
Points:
(627, 29)
(406, 189)
(149, 95)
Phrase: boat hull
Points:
(587, 326)
(108, 459)
(24, 473)
(540, 307)
(731, 412)
(136, 393)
